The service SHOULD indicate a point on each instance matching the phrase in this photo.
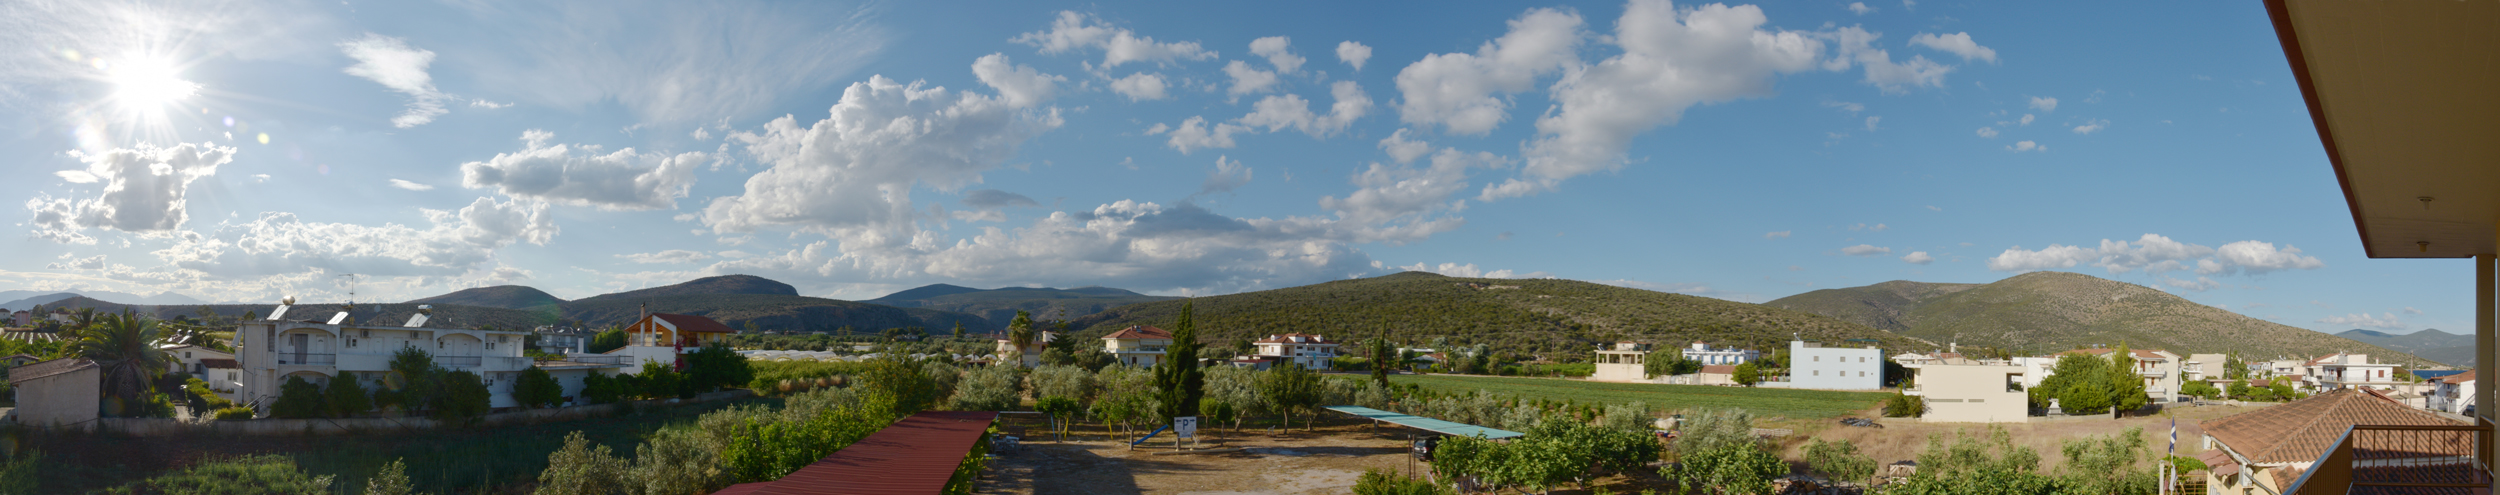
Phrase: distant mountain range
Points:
(2053, 311)
(2451, 349)
(26, 299)
(1000, 305)
(1555, 318)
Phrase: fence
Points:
(459, 361)
(2403, 459)
(293, 358)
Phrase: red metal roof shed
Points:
(914, 456)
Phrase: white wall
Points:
(1835, 368)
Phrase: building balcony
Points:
(2153, 373)
(304, 359)
(601, 359)
(459, 361)
(2403, 459)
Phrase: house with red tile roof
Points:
(1140, 345)
(2343, 370)
(2266, 449)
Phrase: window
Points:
(1818, 372)
(1818, 359)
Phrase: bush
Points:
(464, 399)
(298, 399)
(578, 469)
(991, 388)
(716, 366)
(236, 413)
(346, 397)
(1840, 460)
(393, 480)
(1377, 482)
(602, 389)
(1905, 406)
(257, 474)
(770, 374)
(1742, 467)
(661, 381)
(536, 388)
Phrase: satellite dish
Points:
(289, 300)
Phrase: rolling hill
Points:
(725, 284)
(2052, 311)
(2432, 344)
(25, 299)
(1555, 318)
(1001, 305)
(501, 296)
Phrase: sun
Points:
(147, 85)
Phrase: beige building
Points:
(1622, 362)
(1030, 356)
(60, 392)
(1965, 391)
(2204, 367)
(1312, 352)
(1138, 345)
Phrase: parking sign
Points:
(1186, 426)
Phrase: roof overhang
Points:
(2406, 99)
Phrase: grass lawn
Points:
(1764, 402)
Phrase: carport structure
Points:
(1427, 424)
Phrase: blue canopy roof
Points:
(2429, 374)
(1428, 424)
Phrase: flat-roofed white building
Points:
(270, 350)
(1965, 391)
(1707, 355)
(1815, 366)
(1312, 352)
(1622, 362)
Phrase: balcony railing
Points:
(459, 361)
(302, 359)
(2389, 459)
(599, 359)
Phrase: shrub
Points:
(536, 388)
(346, 397)
(236, 413)
(716, 366)
(1062, 411)
(679, 462)
(578, 469)
(661, 381)
(601, 389)
(256, 474)
(1905, 406)
(1071, 382)
(1377, 482)
(1840, 460)
(298, 399)
(392, 480)
(991, 388)
(464, 399)
(1742, 467)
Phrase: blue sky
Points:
(1738, 151)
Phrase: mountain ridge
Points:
(2050, 311)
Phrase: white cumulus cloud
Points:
(2091, 126)
(1195, 134)
(1918, 258)
(1141, 86)
(1860, 8)
(2043, 104)
(145, 191)
(1248, 80)
(1353, 54)
(2025, 145)
(1021, 86)
(1988, 132)
(1291, 111)
(1279, 52)
(412, 186)
(585, 175)
(1458, 90)
(1073, 31)
(1865, 250)
(2384, 321)
(1957, 44)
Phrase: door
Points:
(299, 340)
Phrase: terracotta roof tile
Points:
(2301, 430)
(915, 455)
(2467, 376)
(1140, 332)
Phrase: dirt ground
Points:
(1905, 439)
(1282, 462)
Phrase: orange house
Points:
(669, 329)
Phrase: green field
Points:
(1764, 402)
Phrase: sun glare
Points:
(146, 84)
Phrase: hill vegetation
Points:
(2432, 344)
(2053, 311)
(725, 284)
(501, 296)
(999, 305)
(1555, 319)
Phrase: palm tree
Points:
(125, 347)
(1020, 334)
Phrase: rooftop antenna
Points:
(351, 297)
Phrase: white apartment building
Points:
(1138, 345)
(1707, 355)
(1624, 362)
(2159, 369)
(2339, 370)
(1813, 366)
(2204, 367)
(1959, 390)
(1311, 352)
(272, 349)
(2451, 394)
